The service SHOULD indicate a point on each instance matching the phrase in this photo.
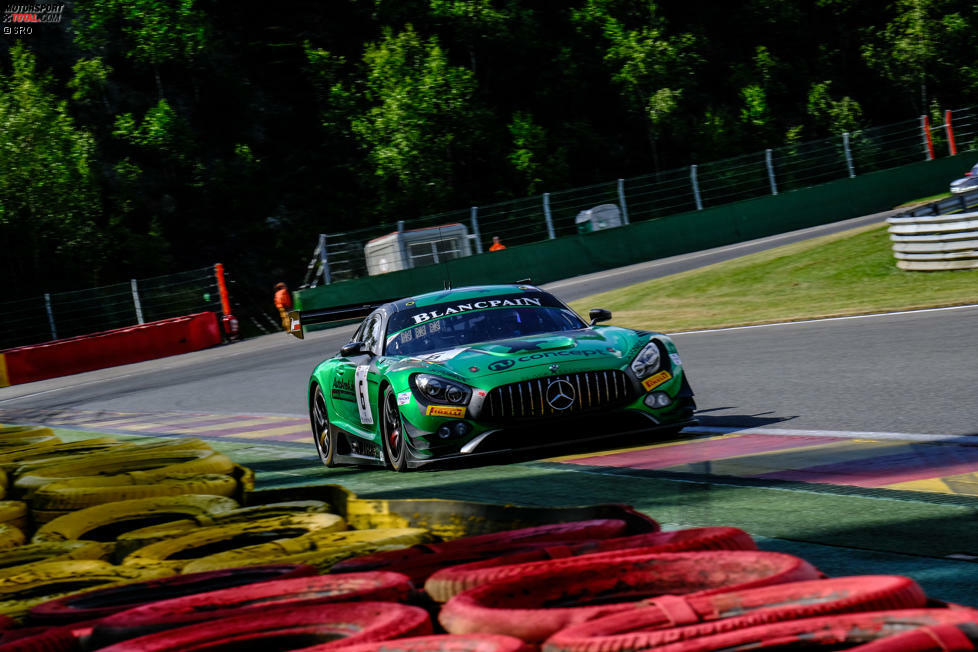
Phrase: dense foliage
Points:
(143, 136)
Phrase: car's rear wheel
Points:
(322, 433)
(392, 430)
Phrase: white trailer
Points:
(416, 248)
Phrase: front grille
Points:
(580, 392)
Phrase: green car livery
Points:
(486, 369)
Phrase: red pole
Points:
(222, 288)
(950, 133)
(925, 125)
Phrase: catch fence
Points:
(435, 238)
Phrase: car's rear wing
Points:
(300, 318)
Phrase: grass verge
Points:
(848, 273)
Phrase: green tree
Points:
(833, 116)
(49, 198)
(422, 118)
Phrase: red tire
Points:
(104, 602)
(448, 582)
(253, 599)
(839, 632)
(419, 562)
(552, 595)
(961, 637)
(333, 625)
(448, 643)
(668, 619)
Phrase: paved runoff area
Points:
(849, 502)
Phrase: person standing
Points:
(496, 244)
(283, 301)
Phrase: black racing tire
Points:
(551, 595)
(252, 599)
(291, 628)
(392, 432)
(100, 603)
(669, 619)
(322, 433)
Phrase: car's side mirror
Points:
(599, 314)
(351, 349)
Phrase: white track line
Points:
(841, 434)
(821, 319)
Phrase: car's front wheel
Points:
(392, 430)
(322, 433)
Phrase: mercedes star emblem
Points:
(560, 394)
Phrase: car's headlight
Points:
(647, 360)
(439, 389)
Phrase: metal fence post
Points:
(770, 171)
(47, 305)
(696, 187)
(474, 213)
(135, 301)
(621, 200)
(547, 216)
(400, 246)
(324, 259)
(845, 148)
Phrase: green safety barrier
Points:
(551, 260)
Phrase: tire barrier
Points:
(144, 465)
(318, 548)
(516, 606)
(46, 581)
(16, 559)
(78, 493)
(106, 522)
(177, 553)
(838, 632)
(419, 562)
(448, 582)
(131, 541)
(99, 603)
(449, 519)
(935, 242)
(7, 430)
(252, 599)
(668, 619)
(23, 460)
(960, 637)
(447, 643)
(39, 639)
(342, 623)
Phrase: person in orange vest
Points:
(496, 244)
(283, 301)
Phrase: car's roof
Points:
(461, 294)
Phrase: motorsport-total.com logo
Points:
(21, 19)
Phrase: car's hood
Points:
(604, 347)
(964, 181)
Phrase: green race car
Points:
(486, 369)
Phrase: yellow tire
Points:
(28, 443)
(14, 560)
(316, 548)
(10, 536)
(131, 541)
(20, 461)
(41, 582)
(78, 493)
(177, 553)
(106, 522)
(14, 512)
(11, 433)
(145, 466)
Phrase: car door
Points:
(351, 383)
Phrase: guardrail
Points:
(937, 237)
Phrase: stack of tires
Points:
(148, 547)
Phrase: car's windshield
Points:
(467, 328)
